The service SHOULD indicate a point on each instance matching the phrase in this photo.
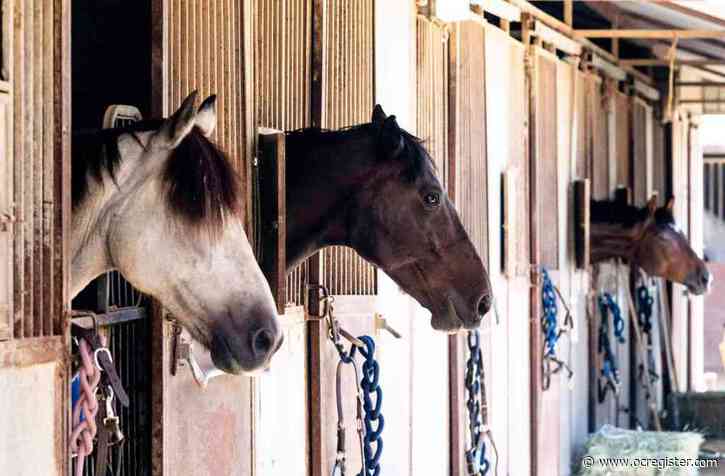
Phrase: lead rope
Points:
(610, 371)
(85, 408)
(477, 407)
(645, 304)
(374, 420)
(552, 332)
(335, 332)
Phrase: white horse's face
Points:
(175, 234)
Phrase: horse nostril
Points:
(262, 342)
(484, 304)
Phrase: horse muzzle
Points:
(699, 282)
(247, 352)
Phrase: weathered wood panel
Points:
(198, 46)
(547, 153)
(348, 98)
(39, 145)
(696, 209)
(659, 162)
(598, 139)
(506, 344)
(467, 137)
(7, 211)
(642, 151)
(623, 138)
(467, 186)
(281, 40)
(430, 444)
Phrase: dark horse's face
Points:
(403, 222)
(663, 250)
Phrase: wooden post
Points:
(569, 13)
(534, 296)
(315, 328)
(273, 260)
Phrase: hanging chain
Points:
(551, 364)
(609, 374)
(374, 420)
(476, 461)
(645, 303)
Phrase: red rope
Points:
(81, 438)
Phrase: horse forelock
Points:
(200, 185)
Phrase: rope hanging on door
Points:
(645, 302)
(477, 463)
(369, 394)
(374, 420)
(609, 374)
(552, 333)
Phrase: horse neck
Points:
(91, 222)
(320, 182)
(610, 241)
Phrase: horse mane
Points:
(310, 137)
(201, 187)
(617, 213)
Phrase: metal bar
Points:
(701, 101)
(665, 63)
(648, 34)
(699, 83)
(119, 316)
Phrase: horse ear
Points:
(176, 127)
(652, 205)
(391, 137)
(378, 115)
(670, 204)
(206, 117)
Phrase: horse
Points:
(160, 203)
(373, 187)
(649, 238)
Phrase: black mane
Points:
(311, 137)
(201, 185)
(618, 213)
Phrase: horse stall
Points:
(524, 121)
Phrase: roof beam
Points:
(648, 34)
(692, 84)
(662, 62)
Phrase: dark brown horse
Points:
(373, 187)
(647, 237)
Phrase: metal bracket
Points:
(382, 324)
(7, 217)
(182, 354)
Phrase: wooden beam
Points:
(503, 10)
(569, 13)
(662, 62)
(701, 101)
(688, 84)
(648, 34)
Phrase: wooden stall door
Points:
(280, 41)
(696, 212)
(35, 192)
(506, 352)
(199, 46)
(7, 213)
(547, 176)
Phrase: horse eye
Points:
(432, 199)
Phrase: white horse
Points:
(160, 203)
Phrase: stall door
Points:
(198, 46)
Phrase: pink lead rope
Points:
(81, 438)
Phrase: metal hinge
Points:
(7, 217)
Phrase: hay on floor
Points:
(614, 451)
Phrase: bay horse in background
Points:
(159, 202)
(373, 187)
(649, 238)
